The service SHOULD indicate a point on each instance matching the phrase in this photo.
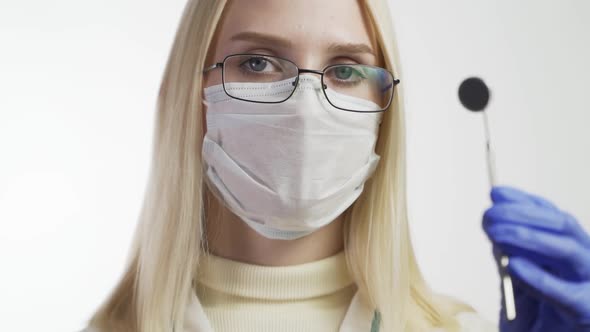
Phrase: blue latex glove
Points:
(549, 255)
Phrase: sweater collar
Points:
(293, 282)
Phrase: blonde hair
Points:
(155, 288)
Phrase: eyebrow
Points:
(350, 48)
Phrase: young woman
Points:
(277, 191)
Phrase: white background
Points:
(78, 85)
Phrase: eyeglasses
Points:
(261, 78)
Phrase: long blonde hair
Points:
(155, 288)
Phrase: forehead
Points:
(309, 25)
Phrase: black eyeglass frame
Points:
(395, 81)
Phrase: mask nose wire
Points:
(309, 81)
(309, 89)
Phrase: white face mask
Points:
(287, 169)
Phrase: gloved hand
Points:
(549, 255)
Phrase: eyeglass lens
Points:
(262, 78)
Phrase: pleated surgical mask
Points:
(290, 168)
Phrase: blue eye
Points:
(343, 73)
(257, 64)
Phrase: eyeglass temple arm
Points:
(395, 82)
(217, 65)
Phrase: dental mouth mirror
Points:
(475, 95)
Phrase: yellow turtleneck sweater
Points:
(244, 297)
